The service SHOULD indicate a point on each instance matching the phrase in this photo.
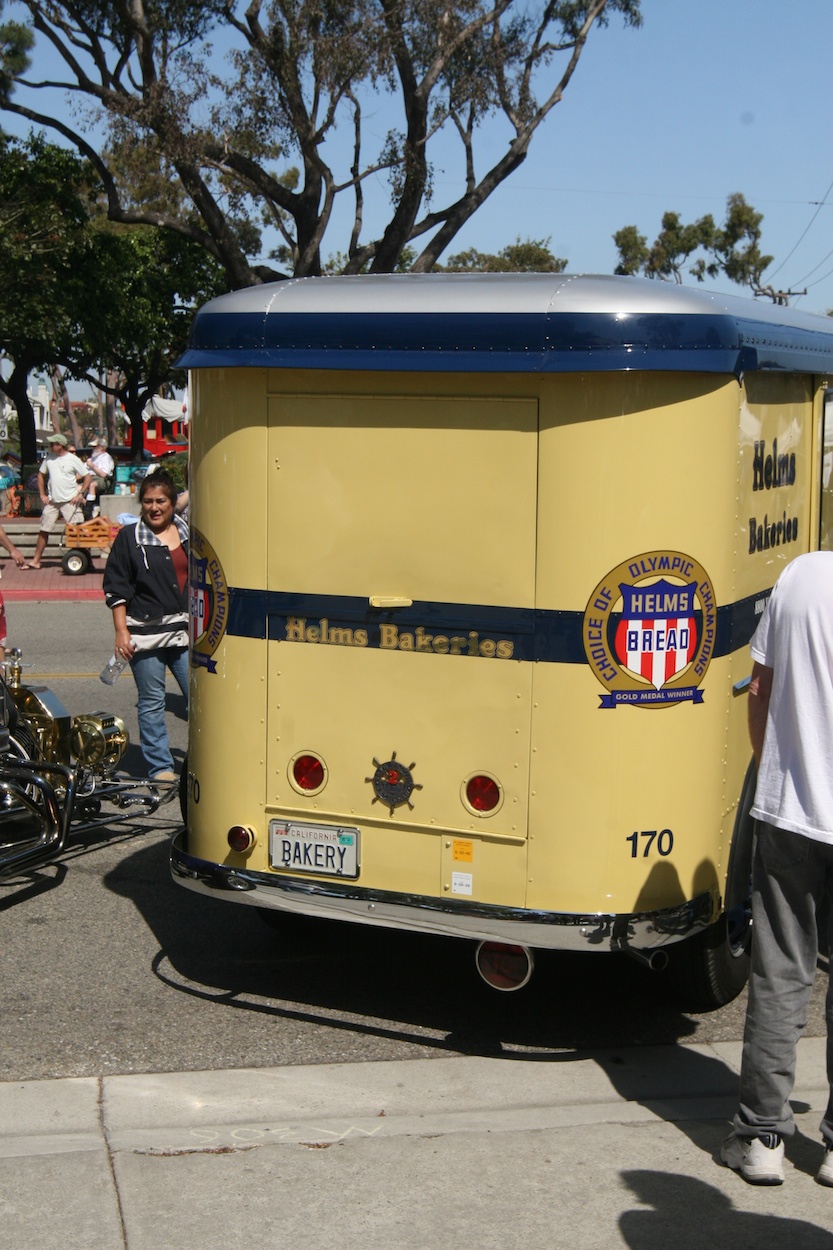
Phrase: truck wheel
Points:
(711, 969)
(76, 561)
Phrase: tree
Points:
(16, 42)
(256, 141)
(82, 294)
(732, 249)
(46, 197)
(147, 285)
(522, 256)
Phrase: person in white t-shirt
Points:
(791, 728)
(63, 482)
(100, 466)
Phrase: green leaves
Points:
(46, 197)
(16, 42)
(522, 256)
(148, 284)
(80, 292)
(732, 249)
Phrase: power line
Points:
(822, 278)
(809, 274)
(778, 268)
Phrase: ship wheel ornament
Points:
(393, 783)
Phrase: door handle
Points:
(389, 601)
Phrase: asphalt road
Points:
(108, 967)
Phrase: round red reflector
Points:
(240, 838)
(483, 793)
(308, 772)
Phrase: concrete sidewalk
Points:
(584, 1152)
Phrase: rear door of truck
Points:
(401, 580)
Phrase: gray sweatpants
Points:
(792, 884)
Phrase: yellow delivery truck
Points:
(475, 562)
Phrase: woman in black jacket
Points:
(146, 586)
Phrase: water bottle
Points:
(112, 670)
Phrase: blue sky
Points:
(707, 98)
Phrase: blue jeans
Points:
(149, 669)
(791, 876)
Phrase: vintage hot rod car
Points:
(57, 773)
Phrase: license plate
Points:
(325, 850)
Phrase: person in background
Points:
(60, 492)
(9, 476)
(10, 486)
(101, 466)
(145, 586)
(183, 501)
(791, 727)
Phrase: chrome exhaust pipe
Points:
(657, 960)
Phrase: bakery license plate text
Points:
(326, 850)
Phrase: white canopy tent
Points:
(167, 409)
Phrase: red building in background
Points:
(167, 426)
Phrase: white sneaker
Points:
(759, 1160)
(824, 1176)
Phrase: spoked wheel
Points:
(712, 968)
(19, 823)
(23, 748)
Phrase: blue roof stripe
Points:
(540, 342)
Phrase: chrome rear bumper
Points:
(335, 900)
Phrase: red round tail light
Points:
(241, 838)
(482, 793)
(308, 772)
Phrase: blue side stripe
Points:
(544, 635)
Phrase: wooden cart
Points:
(81, 539)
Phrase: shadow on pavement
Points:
(423, 989)
(14, 890)
(683, 1211)
(30, 882)
(398, 979)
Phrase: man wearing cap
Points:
(101, 466)
(58, 483)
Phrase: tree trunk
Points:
(110, 408)
(133, 405)
(59, 381)
(137, 433)
(54, 415)
(15, 389)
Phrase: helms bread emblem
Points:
(649, 630)
(208, 601)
